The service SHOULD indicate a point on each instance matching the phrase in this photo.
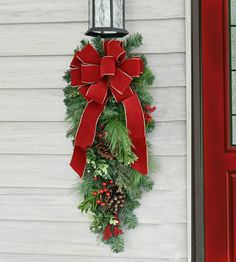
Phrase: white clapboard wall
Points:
(39, 221)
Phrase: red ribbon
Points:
(94, 76)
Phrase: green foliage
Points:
(98, 44)
(145, 80)
(116, 243)
(75, 105)
(145, 97)
(66, 76)
(132, 42)
(119, 170)
(99, 222)
(129, 219)
(83, 43)
(133, 182)
(117, 137)
(89, 203)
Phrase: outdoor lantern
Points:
(107, 18)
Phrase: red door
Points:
(219, 131)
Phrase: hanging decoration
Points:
(110, 111)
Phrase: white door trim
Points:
(188, 56)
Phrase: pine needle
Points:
(118, 140)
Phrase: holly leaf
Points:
(89, 203)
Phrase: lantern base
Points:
(107, 32)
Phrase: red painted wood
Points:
(219, 156)
(232, 228)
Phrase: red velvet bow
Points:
(94, 76)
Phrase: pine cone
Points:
(103, 150)
(116, 199)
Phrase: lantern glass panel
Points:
(232, 71)
(233, 12)
(102, 13)
(233, 47)
(107, 18)
(118, 13)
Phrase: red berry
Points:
(94, 193)
(100, 135)
(147, 117)
(111, 182)
(108, 194)
(103, 204)
(101, 191)
(95, 178)
(147, 107)
(153, 108)
(98, 201)
(104, 183)
(105, 189)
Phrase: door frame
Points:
(196, 159)
(188, 63)
(194, 133)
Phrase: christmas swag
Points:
(109, 110)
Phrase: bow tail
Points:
(85, 135)
(78, 160)
(136, 126)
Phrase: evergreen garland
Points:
(109, 181)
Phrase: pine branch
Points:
(66, 76)
(132, 42)
(83, 43)
(117, 137)
(117, 243)
(129, 220)
(145, 80)
(98, 44)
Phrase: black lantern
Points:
(107, 18)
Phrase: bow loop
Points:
(132, 66)
(89, 55)
(114, 48)
(120, 81)
(90, 73)
(75, 63)
(75, 74)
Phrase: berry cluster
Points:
(147, 114)
(103, 192)
(111, 231)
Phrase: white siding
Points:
(38, 216)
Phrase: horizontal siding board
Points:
(47, 105)
(64, 258)
(49, 138)
(60, 205)
(168, 138)
(47, 71)
(28, 11)
(166, 241)
(61, 38)
(49, 171)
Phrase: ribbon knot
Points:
(94, 76)
(107, 66)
